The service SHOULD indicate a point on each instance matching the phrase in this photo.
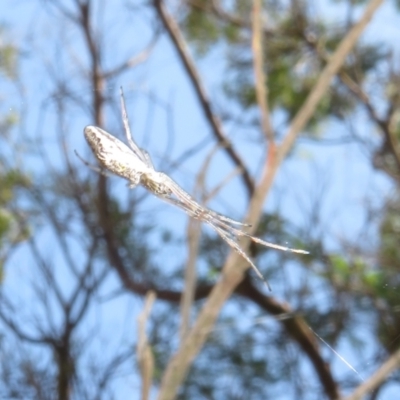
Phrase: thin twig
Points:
(193, 234)
(193, 241)
(296, 327)
(358, 92)
(330, 70)
(215, 8)
(217, 188)
(180, 45)
(132, 61)
(260, 77)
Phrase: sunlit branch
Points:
(261, 85)
(177, 39)
(234, 268)
(331, 69)
(143, 350)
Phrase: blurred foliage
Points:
(296, 47)
(12, 230)
(386, 284)
(295, 51)
(242, 373)
(8, 56)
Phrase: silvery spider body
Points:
(135, 165)
(118, 158)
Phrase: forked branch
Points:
(180, 45)
(234, 267)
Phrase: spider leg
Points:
(186, 197)
(226, 235)
(197, 211)
(219, 223)
(238, 232)
(235, 246)
(275, 246)
(93, 167)
(147, 159)
(125, 121)
(181, 205)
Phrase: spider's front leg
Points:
(147, 159)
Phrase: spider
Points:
(135, 165)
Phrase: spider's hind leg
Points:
(228, 220)
(231, 241)
(210, 214)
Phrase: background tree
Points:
(267, 82)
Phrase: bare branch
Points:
(324, 80)
(216, 8)
(58, 227)
(46, 270)
(180, 45)
(297, 328)
(235, 267)
(260, 77)
(384, 124)
(20, 333)
(359, 93)
(143, 350)
(232, 274)
(220, 12)
(193, 242)
(193, 233)
(132, 61)
(212, 193)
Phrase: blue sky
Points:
(346, 179)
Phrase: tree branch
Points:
(260, 78)
(295, 327)
(330, 70)
(235, 267)
(177, 39)
(144, 354)
(358, 92)
(193, 233)
(132, 61)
